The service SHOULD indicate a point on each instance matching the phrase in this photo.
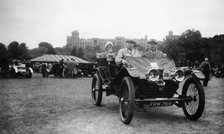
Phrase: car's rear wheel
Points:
(193, 89)
(126, 100)
(96, 90)
(13, 73)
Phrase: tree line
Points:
(190, 46)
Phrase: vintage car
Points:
(152, 82)
(20, 70)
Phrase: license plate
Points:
(160, 104)
(21, 70)
(166, 74)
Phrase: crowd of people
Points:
(67, 69)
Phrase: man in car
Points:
(152, 52)
(135, 51)
(125, 52)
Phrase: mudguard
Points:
(16, 69)
(198, 74)
(31, 70)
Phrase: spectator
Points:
(205, 67)
(66, 70)
(44, 69)
(72, 68)
(61, 68)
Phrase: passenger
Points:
(153, 53)
(109, 54)
(135, 51)
(125, 52)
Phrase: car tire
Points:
(126, 100)
(96, 90)
(13, 73)
(194, 89)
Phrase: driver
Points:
(152, 52)
(125, 52)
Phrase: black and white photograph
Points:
(111, 66)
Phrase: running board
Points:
(163, 99)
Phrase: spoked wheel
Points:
(193, 89)
(126, 100)
(96, 90)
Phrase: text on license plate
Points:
(160, 104)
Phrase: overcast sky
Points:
(34, 21)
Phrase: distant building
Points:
(170, 36)
(75, 40)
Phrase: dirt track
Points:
(64, 106)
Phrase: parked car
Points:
(20, 70)
(149, 82)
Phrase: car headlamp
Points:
(179, 75)
(153, 75)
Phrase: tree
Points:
(3, 51)
(80, 53)
(74, 51)
(45, 44)
(14, 50)
(48, 46)
(24, 51)
(51, 51)
(36, 52)
(216, 47)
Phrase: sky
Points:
(35, 21)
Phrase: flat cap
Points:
(130, 42)
(152, 42)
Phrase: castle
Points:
(75, 40)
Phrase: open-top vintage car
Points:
(152, 82)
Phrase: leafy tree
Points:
(36, 52)
(48, 46)
(74, 51)
(216, 47)
(80, 53)
(3, 51)
(189, 46)
(51, 50)
(45, 44)
(24, 51)
(14, 50)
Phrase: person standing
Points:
(61, 68)
(205, 67)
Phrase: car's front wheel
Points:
(193, 89)
(126, 100)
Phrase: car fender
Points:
(16, 69)
(31, 70)
(134, 72)
(198, 74)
